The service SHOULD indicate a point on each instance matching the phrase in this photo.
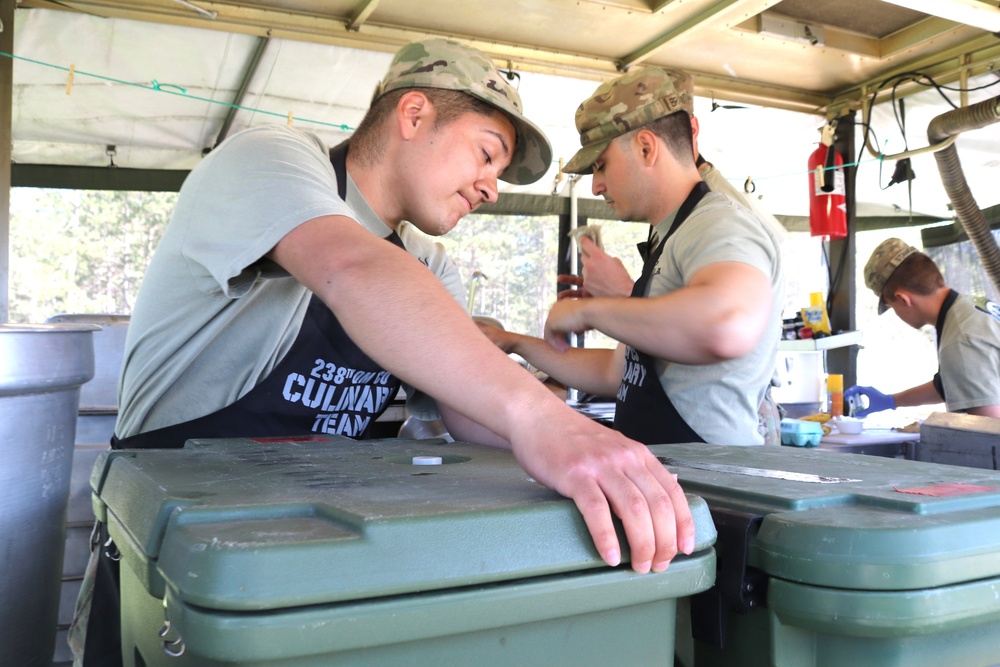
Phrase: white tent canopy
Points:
(159, 94)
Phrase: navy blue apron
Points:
(325, 383)
(949, 301)
(643, 411)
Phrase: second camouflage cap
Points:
(884, 261)
(449, 65)
(623, 104)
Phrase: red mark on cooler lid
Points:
(947, 489)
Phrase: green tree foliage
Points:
(963, 268)
(75, 251)
(518, 257)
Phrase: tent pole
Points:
(843, 261)
(6, 113)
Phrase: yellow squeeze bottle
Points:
(815, 316)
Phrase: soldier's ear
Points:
(412, 110)
(694, 135)
(900, 297)
(648, 145)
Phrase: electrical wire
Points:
(834, 279)
(898, 110)
(899, 114)
(920, 79)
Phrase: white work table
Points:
(876, 442)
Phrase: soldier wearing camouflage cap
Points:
(701, 345)
(884, 261)
(448, 65)
(619, 106)
(281, 301)
(908, 282)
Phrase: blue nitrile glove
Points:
(877, 401)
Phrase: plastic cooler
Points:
(829, 559)
(322, 551)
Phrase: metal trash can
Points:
(326, 551)
(845, 560)
(41, 370)
(100, 395)
(95, 424)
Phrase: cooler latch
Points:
(738, 587)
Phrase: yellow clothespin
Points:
(69, 79)
(291, 115)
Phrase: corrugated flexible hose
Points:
(966, 210)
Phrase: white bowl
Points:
(849, 425)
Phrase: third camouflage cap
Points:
(884, 261)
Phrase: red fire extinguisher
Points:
(827, 203)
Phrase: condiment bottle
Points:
(835, 392)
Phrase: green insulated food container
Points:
(843, 560)
(326, 551)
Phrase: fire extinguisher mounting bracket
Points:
(827, 133)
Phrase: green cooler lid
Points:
(848, 520)
(251, 524)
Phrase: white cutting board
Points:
(870, 437)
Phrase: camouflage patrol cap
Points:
(449, 65)
(624, 104)
(884, 261)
